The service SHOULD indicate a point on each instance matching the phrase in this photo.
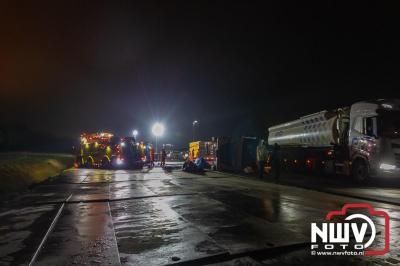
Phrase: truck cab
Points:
(374, 138)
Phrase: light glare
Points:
(158, 129)
(385, 166)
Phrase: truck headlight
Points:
(385, 166)
(120, 161)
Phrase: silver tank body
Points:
(315, 130)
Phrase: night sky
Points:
(237, 68)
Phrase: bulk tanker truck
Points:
(362, 140)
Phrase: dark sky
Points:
(237, 68)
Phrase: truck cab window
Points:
(358, 124)
(370, 126)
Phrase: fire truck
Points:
(104, 150)
(205, 149)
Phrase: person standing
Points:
(261, 158)
(163, 157)
(276, 161)
(151, 152)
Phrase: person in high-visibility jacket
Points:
(262, 155)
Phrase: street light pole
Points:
(193, 124)
(156, 144)
(158, 131)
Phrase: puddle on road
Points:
(149, 231)
(83, 235)
(21, 231)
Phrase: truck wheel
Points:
(105, 164)
(89, 164)
(360, 171)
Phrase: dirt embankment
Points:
(18, 171)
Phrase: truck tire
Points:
(360, 171)
(105, 164)
(89, 163)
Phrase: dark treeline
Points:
(21, 138)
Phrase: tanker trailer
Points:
(362, 140)
(314, 142)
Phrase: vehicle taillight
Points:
(118, 149)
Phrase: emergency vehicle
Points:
(146, 152)
(204, 149)
(104, 150)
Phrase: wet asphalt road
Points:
(162, 217)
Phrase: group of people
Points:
(273, 157)
(151, 157)
(198, 165)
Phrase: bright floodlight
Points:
(158, 129)
(195, 122)
(135, 133)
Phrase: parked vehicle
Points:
(236, 154)
(362, 140)
(203, 149)
(104, 150)
(146, 152)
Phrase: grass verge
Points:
(18, 171)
